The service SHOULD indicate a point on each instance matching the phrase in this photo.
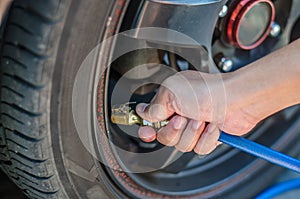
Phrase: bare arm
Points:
(233, 102)
(268, 85)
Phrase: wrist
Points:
(244, 96)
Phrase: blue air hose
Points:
(279, 189)
(267, 154)
(261, 151)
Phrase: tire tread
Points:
(27, 46)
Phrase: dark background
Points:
(8, 190)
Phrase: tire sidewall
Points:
(83, 30)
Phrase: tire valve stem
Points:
(123, 114)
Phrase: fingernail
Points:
(141, 107)
(179, 123)
(146, 136)
(196, 124)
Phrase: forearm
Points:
(267, 85)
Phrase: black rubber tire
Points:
(37, 39)
(44, 43)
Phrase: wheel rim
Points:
(166, 183)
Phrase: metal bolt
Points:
(224, 11)
(275, 29)
(226, 64)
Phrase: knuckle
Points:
(156, 112)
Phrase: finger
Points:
(147, 134)
(190, 136)
(170, 134)
(160, 107)
(208, 140)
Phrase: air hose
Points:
(261, 151)
(270, 155)
(279, 189)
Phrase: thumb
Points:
(159, 109)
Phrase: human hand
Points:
(199, 108)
